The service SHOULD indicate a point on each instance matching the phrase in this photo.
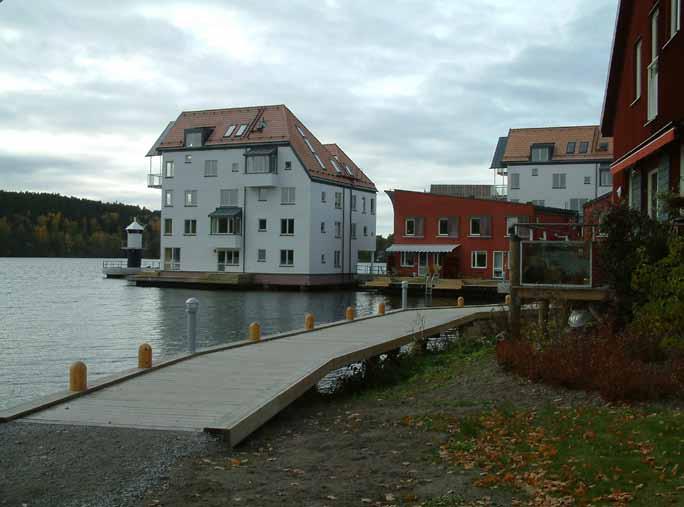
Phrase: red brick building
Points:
(644, 103)
(462, 237)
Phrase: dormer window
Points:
(584, 147)
(541, 152)
(570, 148)
(193, 138)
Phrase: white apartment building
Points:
(252, 190)
(558, 167)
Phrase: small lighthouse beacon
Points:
(134, 246)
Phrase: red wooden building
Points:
(644, 104)
(462, 237)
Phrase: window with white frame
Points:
(481, 226)
(259, 164)
(169, 169)
(365, 230)
(191, 197)
(637, 70)
(587, 180)
(337, 259)
(410, 227)
(261, 255)
(168, 198)
(287, 257)
(210, 168)
(478, 259)
(262, 225)
(287, 226)
(535, 171)
(188, 158)
(193, 139)
(353, 202)
(653, 68)
(227, 257)
(675, 16)
(287, 195)
(229, 197)
(605, 178)
(338, 229)
(541, 152)
(363, 205)
(584, 147)
(235, 167)
(372, 206)
(322, 258)
(408, 259)
(226, 225)
(353, 231)
(322, 227)
(288, 165)
(559, 180)
(190, 227)
(262, 194)
(168, 226)
(515, 180)
(172, 259)
(322, 196)
(443, 227)
(338, 200)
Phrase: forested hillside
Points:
(52, 225)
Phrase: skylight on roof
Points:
(348, 169)
(229, 130)
(309, 145)
(301, 131)
(241, 130)
(335, 165)
(320, 162)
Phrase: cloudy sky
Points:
(416, 92)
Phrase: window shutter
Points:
(663, 185)
(453, 227)
(635, 190)
(485, 226)
(419, 226)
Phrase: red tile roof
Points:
(520, 143)
(281, 125)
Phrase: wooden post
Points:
(349, 313)
(460, 302)
(381, 309)
(309, 321)
(78, 377)
(145, 356)
(255, 332)
(514, 269)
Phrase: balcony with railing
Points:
(154, 180)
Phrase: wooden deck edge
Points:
(246, 426)
(50, 400)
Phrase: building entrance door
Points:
(422, 263)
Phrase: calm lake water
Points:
(57, 311)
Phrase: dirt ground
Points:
(356, 449)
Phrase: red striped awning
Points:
(660, 141)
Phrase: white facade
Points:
(573, 185)
(259, 198)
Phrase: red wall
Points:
(629, 122)
(432, 207)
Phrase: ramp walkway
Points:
(236, 388)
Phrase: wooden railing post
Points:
(78, 377)
(381, 309)
(309, 321)
(349, 313)
(145, 356)
(255, 332)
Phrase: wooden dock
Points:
(236, 388)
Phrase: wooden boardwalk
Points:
(237, 388)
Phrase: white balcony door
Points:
(422, 263)
(498, 266)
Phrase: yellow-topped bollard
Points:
(255, 332)
(78, 377)
(507, 299)
(460, 302)
(309, 321)
(349, 313)
(145, 356)
(381, 309)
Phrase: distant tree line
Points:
(52, 225)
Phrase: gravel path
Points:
(49, 465)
